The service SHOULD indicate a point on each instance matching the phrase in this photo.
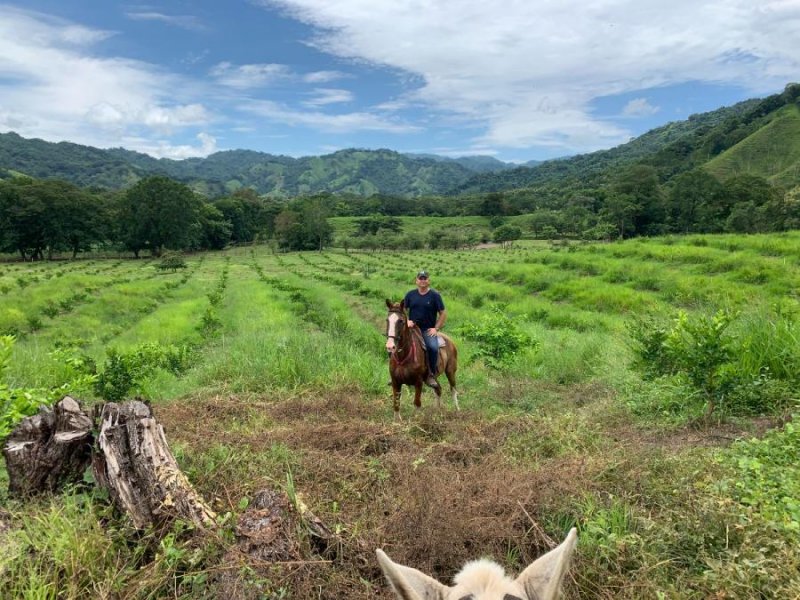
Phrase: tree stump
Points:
(135, 464)
(49, 450)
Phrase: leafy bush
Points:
(210, 322)
(743, 371)
(124, 373)
(498, 337)
(17, 403)
(172, 262)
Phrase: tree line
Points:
(42, 218)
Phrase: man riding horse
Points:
(426, 311)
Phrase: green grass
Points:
(294, 379)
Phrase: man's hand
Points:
(433, 331)
(411, 324)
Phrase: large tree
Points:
(696, 203)
(159, 213)
(39, 218)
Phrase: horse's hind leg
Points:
(451, 379)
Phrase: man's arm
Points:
(441, 320)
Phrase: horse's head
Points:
(486, 580)
(395, 324)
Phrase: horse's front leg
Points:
(397, 388)
(417, 394)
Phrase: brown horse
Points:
(408, 362)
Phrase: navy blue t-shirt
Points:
(423, 309)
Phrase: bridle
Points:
(393, 353)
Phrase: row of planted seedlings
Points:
(24, 308)
(153, 358)
(738, 267)
(115, 310)
(39, 306)
(318, 342)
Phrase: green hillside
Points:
(360, 172)
(772, 152)
(758, 136)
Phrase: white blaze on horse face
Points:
(391, 330)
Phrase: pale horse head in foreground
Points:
(486, 580)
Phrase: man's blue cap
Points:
(422, 274)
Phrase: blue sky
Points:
(514, 79)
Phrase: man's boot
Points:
(430, 379)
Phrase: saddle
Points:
(439, 338)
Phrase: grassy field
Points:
(282, 379)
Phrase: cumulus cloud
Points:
(527, 70)
(164, 149)
(639, 107)
(324, 76)
(64, 91)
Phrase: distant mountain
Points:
(759, 136)
(362, 172)
(477, 164)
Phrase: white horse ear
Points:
(410, 584)
(543, 577)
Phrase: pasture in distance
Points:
(269, 371)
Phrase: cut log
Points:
(135, 464)
(49, 450)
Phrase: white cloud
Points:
(189, 22)
(527, 70)
(323, 96)
(332, 123)
(324, 76)
(639, 107)
(164, 149)
(249, 76)
(61, 90)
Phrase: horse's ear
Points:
(388, 303)
(403, 304)
(542, 579)
(410, 584)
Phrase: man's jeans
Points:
(432, 347)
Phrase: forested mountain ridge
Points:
(676, 148)
(758, 137)
(361, 172)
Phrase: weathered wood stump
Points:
(135, 464)
(130, 458)
(49, 450)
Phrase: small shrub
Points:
(172, 262)
(210, 322)
(498, 337)
(34, 322)
(125, 372)
(50, 309)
